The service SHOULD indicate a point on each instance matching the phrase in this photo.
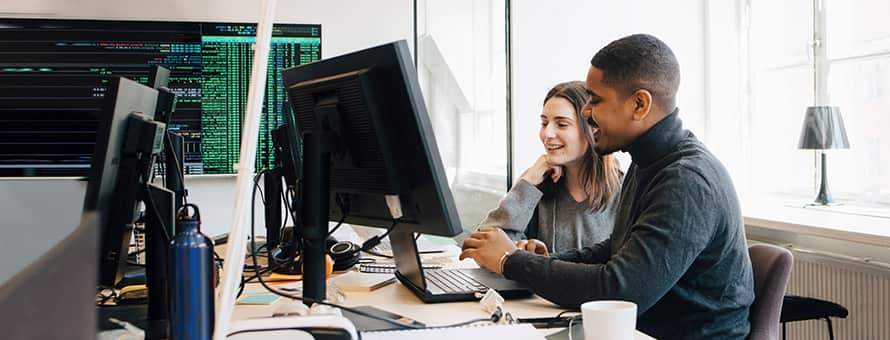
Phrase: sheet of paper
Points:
(512, 332)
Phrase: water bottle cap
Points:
(183, 214)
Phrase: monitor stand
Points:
(161, 205)
(317, 173)
(152, 317)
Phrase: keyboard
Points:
(387, 268)
(453, 281)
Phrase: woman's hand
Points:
(542, 169)
(533, 246)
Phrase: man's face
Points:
(610, 115)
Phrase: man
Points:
(678, 248)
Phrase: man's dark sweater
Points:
(678, 249)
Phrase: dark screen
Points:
(54, 74)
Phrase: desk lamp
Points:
(823, 128)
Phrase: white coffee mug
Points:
(609, 320)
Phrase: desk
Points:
(399, 299)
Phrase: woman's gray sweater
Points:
(561, 223)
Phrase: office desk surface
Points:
(398, 299)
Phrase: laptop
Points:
(446, 285)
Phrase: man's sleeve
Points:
(676, 224)
(597, 253)
(515, 210)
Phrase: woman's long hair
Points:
(600, 175)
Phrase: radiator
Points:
(860, 285)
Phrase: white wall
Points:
(346, 26)
(553, 42)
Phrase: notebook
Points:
(362, 282)
(512, 332)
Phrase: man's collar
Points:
(658, 141)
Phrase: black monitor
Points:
(126, 139)
(54, 71)
(371, 101)
(362, 117)
(127, 143)
(158, 76)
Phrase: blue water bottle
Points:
(190, 279)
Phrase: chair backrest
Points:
(772, 267)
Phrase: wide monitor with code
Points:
(54, 74)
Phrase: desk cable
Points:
(494, 317)
(571, 321)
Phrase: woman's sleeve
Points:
(514, 212)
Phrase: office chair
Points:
(772, 267)
(798, 308)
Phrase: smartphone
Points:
(551, 322)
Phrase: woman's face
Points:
(560, 133)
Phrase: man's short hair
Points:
(640, 61)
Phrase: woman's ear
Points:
(642, 103)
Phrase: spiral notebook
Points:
(512, 332)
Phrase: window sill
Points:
(789, 215)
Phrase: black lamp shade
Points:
(823, 128)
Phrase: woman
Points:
(565, 198)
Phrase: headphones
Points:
(345, 254)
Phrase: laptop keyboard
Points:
(453, 281)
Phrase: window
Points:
(827, 52)
(461, 62)
(781, 78)
(858, 80)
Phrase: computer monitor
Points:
(288, 167)
(67, 64)
(371, 101)
(368, 150)
(120, 163)
(287, 140)
(128, 141)
(158, 76)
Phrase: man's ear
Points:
(642, 103)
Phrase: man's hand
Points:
(486, 246)
(533, 246)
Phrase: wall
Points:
(346, 26)
(553, 42)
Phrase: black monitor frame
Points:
(128, 142)
(288, 167)
(121, 168)
(64, 117)
(410, 154)
(366, 138)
